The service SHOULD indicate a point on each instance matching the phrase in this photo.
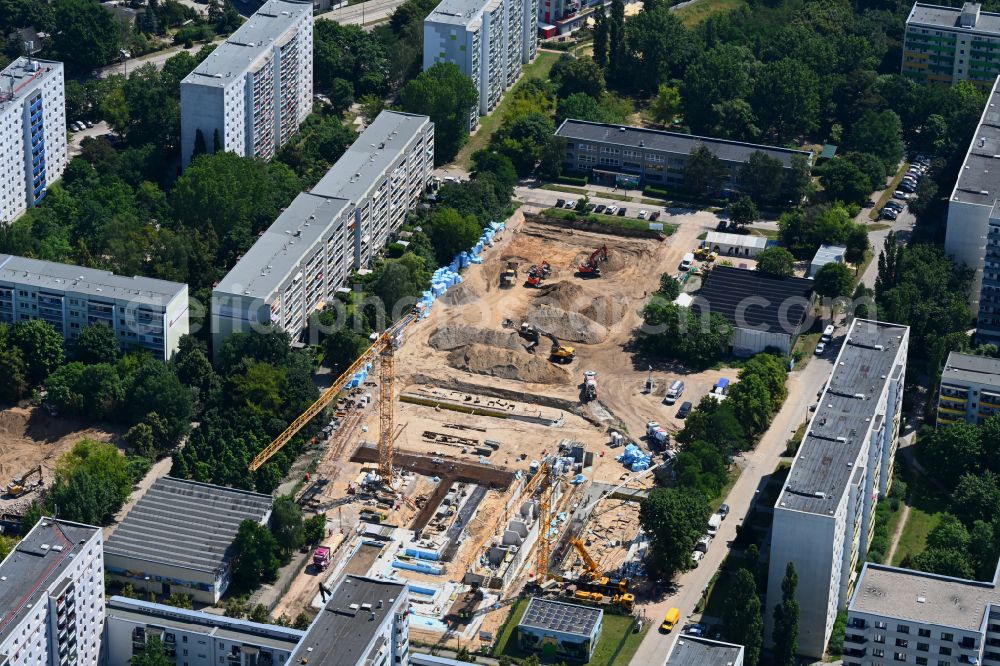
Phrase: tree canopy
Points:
(447, 96)
(674, 520)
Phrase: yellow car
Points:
(672, 618)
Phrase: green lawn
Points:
(696, 12)
(616, 646)
(608, 220)
(539, 69)
(926, 509)
(889, 191)
(559, 187)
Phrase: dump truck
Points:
(321, 558)
(590, 385)
(509, 276)
(22, 486)
(656, 433)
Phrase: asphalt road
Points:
(157, 59)
(365, 14)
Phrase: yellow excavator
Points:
(23, 486)
(594, 578)
(560, 353)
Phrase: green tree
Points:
(255, 559)
(844, 181)
(156, 388)
(943, 561)
(743, 622)
(85, 36)
(716, 79)
(96, 344)
(572, 75)
(524, 140)
(153, 654)
(601, 39)
(13, 375)
(91, 484)
(670, 287)
(580, 106)
(762, 178)
(786, 620)
(743, 212)
(704, 172)
(41, 346)
(976, 496)
(180, 601)
(658, 48)
(879, 133)
(776, 261)
(445, 94)
(302, 622)
(674, 519)
(343, 347)
(287, 524)
(500, 166)
(259, 614)
(315, 528)
(677, 332)
(786, 98)
(667, 105)
(450, 233)
(833, 280)
(949, 533)
(954, 451)
(856, 246)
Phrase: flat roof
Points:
(739, 240)
(457, 12)
(695, 651)
(846, 414)
(935, 16)
(280, 249)
(341, 633)
(671, 142)
(979, 178)
(91, 281)
(922, 597)
(828, 253)
(550, 615)
(729, 292)
(210, 624)
(17, 78)
(186, 524)
(969, 368)
(249, 43)
(371, 154)
(35, 565)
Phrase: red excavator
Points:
(592, 266)
(537, 274)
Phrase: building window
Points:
(902, 628)
(947, 637)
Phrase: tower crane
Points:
(382, 350)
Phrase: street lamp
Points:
(123, 57)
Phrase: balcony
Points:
(856, 639)
(950, 410)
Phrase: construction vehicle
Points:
(509, 277)
(537, 273)
(590, 385)
(383, 350)
(592, 268)
(321, 558)
(593, 579)
(705, 254)
(23, 485)
(560, 353)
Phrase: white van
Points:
(687, 261)
(674, 391)
(713, 524)
(827, 334)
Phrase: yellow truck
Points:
(672, 618)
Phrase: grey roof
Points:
(91, 281)
(846, 414)
(280, 249)
(375, 150)
(340, 635)
(457, 12)
(549, 615)
(694, 651)
(934, 16)
(186, 524)
(36, 565)
(16, 78)
(253, 39)
(922, 597)
(209, 624)
(829, 253)
(970, 369)
(739, 240)
(671, 142)
(979, 179)
(728, 291)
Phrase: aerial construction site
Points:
(476, 452)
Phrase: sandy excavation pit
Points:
(507, 364)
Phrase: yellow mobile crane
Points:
(594, 578)
(381, 350)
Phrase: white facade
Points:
(826, 254)
(143, 312)
(33, 151)
(52, 597)
(825, 514)
(488, 40)
(252, 93)
(341, 225)
(192, 638)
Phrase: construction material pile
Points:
(447, 277)
(635, 458)
(454, 336)
(507, 364)
(571, 326)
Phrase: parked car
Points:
(696, 629)
(900, 195)
(827, 334)
(684, 410)
(622, 211)
(889, 214)
(895, 205)
(696, 557)
(908, 187)
(571, 204)
(655, 216)
(703, 543)
(611, 210)
(643, 214)
(560, 203)
(724, 510)
(599, 208)
(820, 349)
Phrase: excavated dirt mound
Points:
(564, 295)
(454, 336)
(571, 326)
(463, 294)
(605, 310)
(507, 364)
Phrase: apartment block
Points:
(297, 266)
(52, 597)
(144, 313)
(945, 45)
(973, 204)
(635, 156)
(911, 617)
(969, 390)
(365, 621)
(252, 93)
(33, 151)
(489, 40)
(192, 638)
(825, 514)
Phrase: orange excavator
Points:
(592, 267)
(538, 273)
